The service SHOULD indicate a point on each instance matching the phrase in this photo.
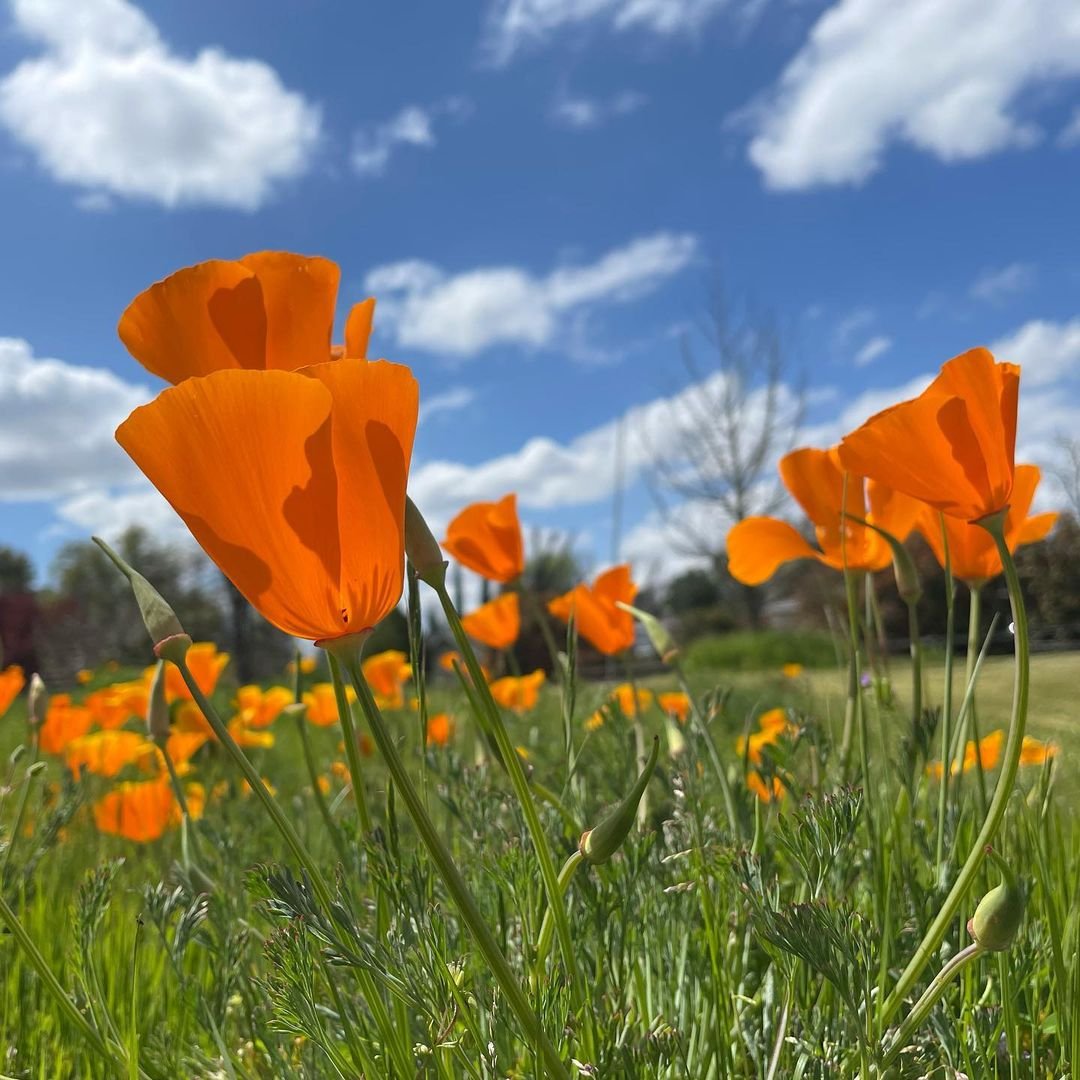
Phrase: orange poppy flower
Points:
(972, 552)
(518, 692)
(486, 537)
(293, 482)
(675, 704)
(190, 720)
(1034, 752)
(64, 721)
(250, 738)
(836, 503)
(112, 706)
(767, 794)
(630, 704)
(791, 671)
(206, 665)
(183, 745)
(308, 666)
(83, 676)
(606, 627)
(106, 753)
(137, 810)
(440, 729)
(496, 623)
(321, 703)
(386, 673)
(953, 446)
(12, 680)
(259, 708)
(772, 726)
(271, 309)
(987, 754)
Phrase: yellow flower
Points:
(792, 671)
(630, 704)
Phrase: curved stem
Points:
(974, 619)
(543, 941)
(352, 747)
(947, 695)
(316, 791)
(1002, 791)
(448, 871)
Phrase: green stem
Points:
(512, 763)
(316, 791)
(946, 702)
(915, 645)
(851, 584)
(543, 941)
(52, 984)
(925, 1003)
(640, 751)
(20, 811)
(974, 619)
(1002, 791)
(352, 747)
(455, 883)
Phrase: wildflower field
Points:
(434, 863)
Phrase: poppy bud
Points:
(157, 708)
(38, 700)
(597, 845)
(1000, 911)
(659, 635)
(422, 548)
(161, 622)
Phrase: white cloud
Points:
(944, 76)
(452, 400)
(515, 25)
(1047, 351)
(108, 512)
(109, 108)
(874, 348)
(1071, 135)
(581, 113)
(59, 418)
(995, 285)
(414, 126)
(463, 314)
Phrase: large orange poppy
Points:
(271, 309)
(496, 623)
(606, 627)
(64, 722)
(12, 681)
(518, 692)
(973, 555)
(293, 482)
(486, 537)
(138, 810)
(953, 446)
(836, 505)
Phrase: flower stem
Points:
(946, 700)
(974, 619)
(352, 748)
(543, 940)
(1002, 791)
(448, 871)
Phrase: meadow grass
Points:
(707, 947)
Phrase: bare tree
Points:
(713, 455)
(1067, 472)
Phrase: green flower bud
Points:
(598, 844)
(38, 700)
(161, 622)
(422, 548)
(659, 635)
(157, 710)
(1000, 911)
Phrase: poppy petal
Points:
(758, 546)
(201, 319)
(245, 458)
(358, 328)
(299, 293)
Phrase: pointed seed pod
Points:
(1000, 911)
(598, 844)
(160, 620)
(422, 548)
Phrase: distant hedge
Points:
(749, 650)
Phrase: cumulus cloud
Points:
(517, 25)
(59, 419)
(414, 126)
(466, 313)
(944, 76)
(995, 285)
(449, 401)
(580, 113)
(875, 347)
(1049, 352)
(108, 107)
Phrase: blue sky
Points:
(541, 194)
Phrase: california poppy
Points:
(987, 754)
(767, 793)
(205, 664)
(973, 555)
(270, 309)
(675, 704)
(1034, 752)
(112, 706)
(440, 729)
(605, 626)
(12, 681)
(138, 810)
(836, 504)
(496, 623)
(259, 708)
(293, 482)
(106, 753)
(321, 703)
(791, 670)
(953, 446)
(64, 721)
(631, 700)
(386, 673)
(772, 726)
(518, 692)
(486, 537)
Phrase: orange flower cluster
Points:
(772, 727)
(12, 680)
